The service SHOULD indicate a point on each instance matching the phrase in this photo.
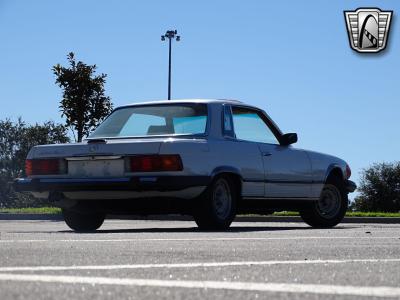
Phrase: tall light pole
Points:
(170, 35)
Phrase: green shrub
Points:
(16, 139)
(379, 189)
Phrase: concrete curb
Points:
(28, 217)
(58, 217)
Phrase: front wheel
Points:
(79, 221)
(216, 209)
(329, 210)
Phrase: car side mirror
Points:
(288, 139)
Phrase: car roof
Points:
(181, 101)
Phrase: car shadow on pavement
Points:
(196, 229)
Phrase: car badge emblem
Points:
(368, 29)
(93, 149)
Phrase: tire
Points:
(216, 208)
(78, 221)
(330, 209)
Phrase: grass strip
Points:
(31, 210)
(348, 214)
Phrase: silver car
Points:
(210, 159)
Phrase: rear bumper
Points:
(139, 183)
(350, 186)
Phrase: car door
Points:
(287, 171)
(242, 155)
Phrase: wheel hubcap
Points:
(222, 199)
(329, 203)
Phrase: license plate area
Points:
(96, 168)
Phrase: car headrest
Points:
(158, 129)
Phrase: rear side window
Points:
(149, 120)
(249, 126)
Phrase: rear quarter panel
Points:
(205, 157)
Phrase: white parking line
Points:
(377, 291)
(203, 239)
(197, 265)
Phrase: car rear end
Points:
(133, 155)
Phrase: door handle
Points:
(266, 153)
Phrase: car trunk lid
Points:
(99, 148)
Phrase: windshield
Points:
(150, 120)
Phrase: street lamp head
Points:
(171, 34)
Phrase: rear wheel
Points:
(330, 209)
(79, 221)
(217, 207)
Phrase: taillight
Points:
(156, 163)
(42, 167)
(348, 172)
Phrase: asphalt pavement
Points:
(149, 259)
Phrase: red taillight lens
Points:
(155, 163)
(42, 167)
(348, 171)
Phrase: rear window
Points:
(149, 120)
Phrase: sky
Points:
(291, 58)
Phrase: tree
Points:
(11, 135)
(16, 139)
(379, 188)
(84, 104)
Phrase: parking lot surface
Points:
(131, 259)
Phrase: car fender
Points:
(330, 168)
(225, 169)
